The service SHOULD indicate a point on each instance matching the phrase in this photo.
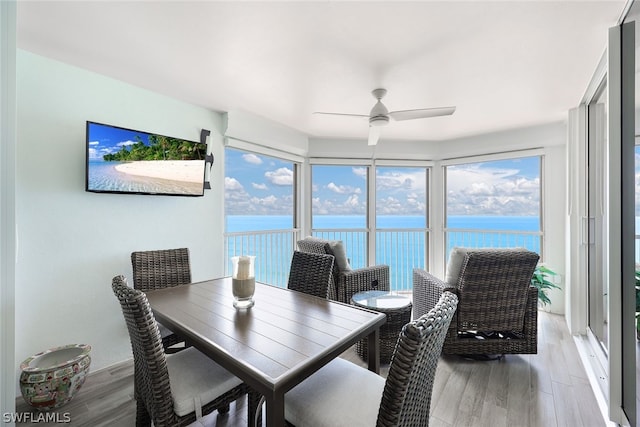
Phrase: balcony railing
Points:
(401, 249)
(471, 238)
(273, 250)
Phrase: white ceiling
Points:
(504, 64)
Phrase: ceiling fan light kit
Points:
(380, 115)
(378, 121)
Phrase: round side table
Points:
(398, 311)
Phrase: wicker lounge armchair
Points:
(197, 383)
(311, 273)
(162, 269)
(347, 281)
(497, 313)
(344, 394)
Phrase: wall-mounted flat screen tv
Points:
(123, 160)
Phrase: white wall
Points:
(7, 205)
(71, 242)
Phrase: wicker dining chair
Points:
(344, 394)
(497, 313)
(176, 389)
(347, 281)
(311, 273)
(162, 269)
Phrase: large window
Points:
(494, 204)
(259, 212)
(395, 234)
(401, 221)
(339, 208)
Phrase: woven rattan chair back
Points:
(151, 377)
(322, 248)
(493, 288)
(406, 400)
(344, 284)
(311, 273)
(160, 269)
(152, 390)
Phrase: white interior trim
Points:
(261, 149)
(493, 157)
(340, 161)
(613, 235)
(595, 374)
(244, 126)
(8, 250)
(404, 163)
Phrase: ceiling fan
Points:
(379, 115)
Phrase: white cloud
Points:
(259, 186)
(126, 143)
(281, 176)
(351, 206)
(406, 181)
(232, 184)
(94, 143)
(352, 201)
(242, 203)
(410, 205)
(360, 172)
(343, 189)
(252, 158)
(473, 190)
(270, 200)
(98, 153)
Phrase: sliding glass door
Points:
(620, 220)
(596, 165)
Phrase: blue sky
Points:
(261, 185)
(257, 185)
(103, 139)
(505, 187)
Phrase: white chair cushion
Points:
(340, 254)
(339, 394)
(456, 257)
(337, 250)
(195, 377)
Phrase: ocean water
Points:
(235, 223)
(402, 247)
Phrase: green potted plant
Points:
(540, 280)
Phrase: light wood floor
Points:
(548, 389)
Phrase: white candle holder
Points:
(243, 281)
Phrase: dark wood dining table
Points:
(274, 345)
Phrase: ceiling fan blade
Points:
(341, 114)
(422, 113)
(374, 134)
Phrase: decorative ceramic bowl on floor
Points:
(51, 378)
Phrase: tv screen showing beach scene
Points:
(123, 160)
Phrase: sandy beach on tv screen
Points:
(175, 170)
